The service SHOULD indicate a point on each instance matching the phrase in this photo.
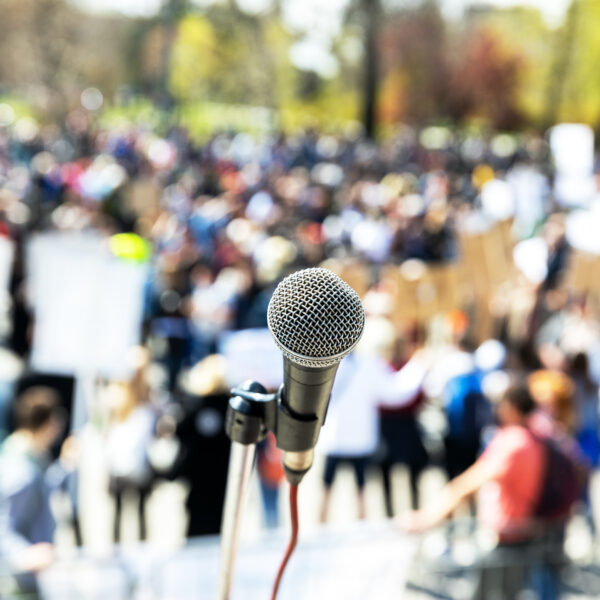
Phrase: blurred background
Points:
(165, 163)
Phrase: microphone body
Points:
(316, 319)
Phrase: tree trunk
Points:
(371, 12)
(562, 61)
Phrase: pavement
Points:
(343, 559)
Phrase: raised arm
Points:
(401, 387)
(448, 499)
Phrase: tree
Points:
(576, 58)
(522, 31)
(484, 82)
(415, 70)
(51, 49)
(223, 56)
(371, 10)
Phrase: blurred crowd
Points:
(220, 223)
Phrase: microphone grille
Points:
(315, 317)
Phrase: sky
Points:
(553, 10)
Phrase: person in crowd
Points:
(467, 408)
(567, 332)
(28, 477)
(453, 358)
(553, 392)
(587, 433)
(228, 216)
(128, 439)
(204, 447)
(556, 418)
(587, 407)
(269, 467)
(351, 429)
(510, 477)
(401, 440)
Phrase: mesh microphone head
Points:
(315, 318)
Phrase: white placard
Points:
(498, 200)
(252, 354)
(572, 146)
(582, 227)
(88, 305)
(531, 258)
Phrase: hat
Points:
(550, 388)
(490, 356)
(457, 322)
(553, 391)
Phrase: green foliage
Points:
(521, 31)
(137, 111)
(205, 118)
(579, 45)
(20, 107)
(221, 61)
(223, 56)
(194, 58)
(226, 69)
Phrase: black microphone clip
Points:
(252, 412)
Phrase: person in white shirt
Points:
(451, 359)
(351, 430)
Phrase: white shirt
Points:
(363, 383)
(127, 443)
(450, 363)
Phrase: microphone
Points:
(316, 319)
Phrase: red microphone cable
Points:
(293, 539)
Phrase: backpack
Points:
(467, 409)
(561, 486)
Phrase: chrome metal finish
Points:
(299, 461)
(238, 475)
(315, 317)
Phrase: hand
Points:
(69, 453)
(36, 557)
(414, 521)
(425, 355)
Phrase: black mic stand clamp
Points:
(250, 414)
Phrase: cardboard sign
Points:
(583, 274)
(421, 291)
(486, 257)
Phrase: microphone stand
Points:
(251, 410)
(250, 415)
(240, 468)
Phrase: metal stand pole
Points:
(250, 411)
(240, 469)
